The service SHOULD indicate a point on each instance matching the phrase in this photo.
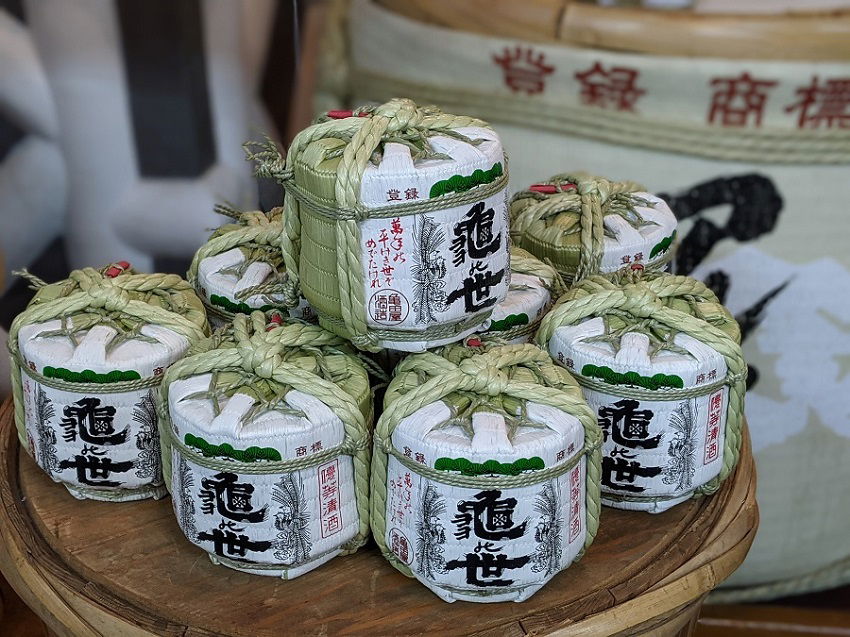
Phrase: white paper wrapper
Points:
(486, 545)
(434, 268)
(527, 299)
(646, 245)
(281, 525)
(100, 445)
(652, 448)
(215, 285)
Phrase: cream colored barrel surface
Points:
(753, 157)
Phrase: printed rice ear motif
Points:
(485, 480)
(266, 445)
(534, 288)
(660, 363)
(396, 223)
(88, 354)
(241, 268)
(586, 225)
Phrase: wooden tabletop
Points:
(92, 568)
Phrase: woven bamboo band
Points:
(274, 355)
(662, 305)
(258, 233)
(123, 300)
(362, 135)
(523, 262)
(498, 372)
(566, 226)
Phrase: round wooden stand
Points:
(98, 568)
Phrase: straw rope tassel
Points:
(596, 296)
(109, 295)
(258, 353)
(483, 374)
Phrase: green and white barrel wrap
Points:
(88, 355)
(485, 478)
(241, 269)
(397, 223)
(584, 225)
(659, 362)
(266, 446)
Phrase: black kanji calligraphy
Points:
(488, 517)
(230, 541)
(92, 423)
(620, 473)
(475, 290)
(485, 565)
(627, 425)
(93, 469)
(223, 494)
(474, 237)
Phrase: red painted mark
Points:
(275, 320)
(117, 268)
(551, 189)
(473, 342)
(637, 266)
(344, 114)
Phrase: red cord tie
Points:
(116, 268)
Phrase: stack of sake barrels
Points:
(546, 365)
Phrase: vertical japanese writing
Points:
(400, 497)
(575, 502)
(475, 239)
(490, 519)
(628, 428)
(223, 495)
(330, 514)
(372, 268)
(712, 433)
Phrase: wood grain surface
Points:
(799, 36)
(92, 568)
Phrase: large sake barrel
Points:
(395, 223)
(743, 122)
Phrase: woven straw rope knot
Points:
(640, 301)
(402, 113)
(483, 376)
(105, 294)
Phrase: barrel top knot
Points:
(402, 113)
(639, 300)
(107, 295)
(260, 353)
(485, 375)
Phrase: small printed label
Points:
(712, 433)
(331, 516)
(575, 503)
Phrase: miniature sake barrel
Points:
(485, 481)
(659, 359)
(88, 354)
(266, 446)
(396, 221)
(533, 289)
(77, 564)
(590, 225)
(241, 268)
